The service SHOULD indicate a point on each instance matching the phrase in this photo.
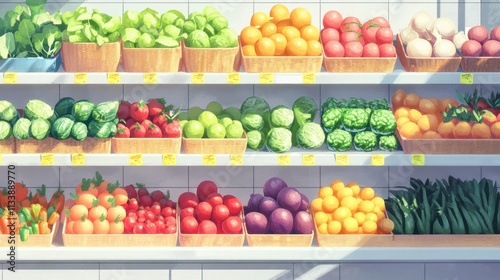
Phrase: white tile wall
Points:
(53, 271)
(455, 271)
(306, 271)
(248, 271)
(131, 271)
(374, 271)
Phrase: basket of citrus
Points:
(281, 41)
(350, 216)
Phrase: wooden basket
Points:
(152, 60)
(118, 240)
(447, 240)
(89, 57)
(146, 145)
(8, 146)
(449, 146)
(481, 64)
(421, 64)
(278, 240)
(214, 146)
(34, 240)
(68, 146)
(359, 64)
(215, 60)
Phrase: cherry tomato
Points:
(170, 221)
(187, 212)
(139, 228)
(205, 188)
(381, 21)
(132, 215)
(150, 228)
(219, 228)
(141, 220)
(167, 212)
(371, 50)
(332, 19)
(141, 213)
(188, 199)
(384, 35)
(387, 50)
(189, 225)
(220, 213)
(203, 211)
(353, 49)
(149, 216)
(170, 229)
(129, 224)
(160, 226)
(159, 218)
(207, 227)
(156, 208)
(214, 199)
(234, 205)
(232, 225)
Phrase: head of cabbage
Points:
(281, 116)
(198, 39)
(252, 120)
(310, 136)
(279, 140)
(256, 140)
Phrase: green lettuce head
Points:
(198, 39)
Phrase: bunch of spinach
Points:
(91, 27)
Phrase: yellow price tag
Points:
(198, 78)
(308, 159)
(266, 78)
(150, 78)
(378, 160)
(81, 78)
(342, 159)
(284, 160)
(47, 159)
(1, 159)
(236, 159)
(309, 78)
(78, 159)
(209, 160)
(169, 159)
(418, 159)
(10, 78)
(114, 78)
(233, 78)
(135, 159)
(467, 78)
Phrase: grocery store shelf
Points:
(396, 77)
(261, 254)
(302, 158)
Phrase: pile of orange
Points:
(281, 33)
(349, 209)
(418, 118)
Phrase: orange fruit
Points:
(350, 202)
(279, 43)
(268, 29)
(410, 130)
(401, 121)
(369, 227)
(398, 98)
(427, 122)
(367, 193)
(309, 32)
(330, 204)
(380, 214)
(320, 218)
(402, 112)
(462, 130)
(325, 192)
(249, 50)
(446, 102)
(445, 129)
(323, 228)
(313, 48)
(334, 227)
(436, 102)
(249, 35)
(379, 202)
(279, 12)
(350, 184)
(480, 131)
(489, 118)
(290, 33)
(426, 106)
(495, 130)
(317, 205)
(355, 189)
(371, 217)
(336, 186)
(282, 24)
(297, 47)
(431, 135)
(300, 17)
(414, 115)
(350, 225)
(366, 206)
(259, 19)
(343, 193)
(386, 225)
(360, 217)
(264, 47)
(412, 100)
(341, 213)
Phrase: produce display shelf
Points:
(260, 254)
(396, 77)
(302, 158)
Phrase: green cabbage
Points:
(281, 116)
(252, 120)
(198, 39)
(279, 140)
(365, 141)
(310, 136)
(40, 129)
(256, 140)
(339, 140)
(7, 111)
(21, 129)
(5, 130)
(38, 109)
(255, 103)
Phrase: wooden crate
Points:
(8, 146)
(211, 60)
(146, 145)
(353, 240)
(421, 64)
(34, 240)
(68, 146)
(151, 60)
(118, 240)
(480, 64)
(447, 240)
(214, 146)
(89, 57)
(359, 64)
(278, 240)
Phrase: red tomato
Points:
(234, 205)
(384, 35)
(329, 34)
(160, 226)
(146, 123)
(122, 131)
(137, 131)
(381, 21)
(129, 224)
(349, 36)
(159, 218)
(387, 50)
(170, 229)
(353, 49)
(141, 213)
(205, 188)
(203, 211)
(368, 31)
(214, 199)
(207, 227)
(187, 212)
(133, 204)
(362, 41)
(139, 228)
(156, 208)
(167, 212)
(219, 228)
(150, 228)
(227, 197)
(332, 19)
(170, 221)
(149, 216)
(371, 50)
(132, 215)
(220, 213)
(189, 225)
(334, 49)
(188, 199)
(139, 111)
(156, 106)
(351, 24)
(232, 225)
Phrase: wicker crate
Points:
(34, 240)
(89, 57)
(146, 145)
(214, 146)
(211, 60)
(359, 64)
(421, 64)
(68, 146)
(278, 240)
(151, 60)
(8, 146)
(447, 240)
(480, 64)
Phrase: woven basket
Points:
(278, 240)
(151, 60)
(8, 146)
(480, 64)
(68, 146)
(146, 145)
(34, 240)
(447, 240)
(211, 60)
(359, 64)
(89, 57)
(214, 146)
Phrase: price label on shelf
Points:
(209, 160)
(341, 159)
(467, 78)
(135, 159)
(1, 159)
(169, 159)
(198, 78)
(284, 160)
(266, 78)
(308, 159)
(378, 160)
(47, 159)
(78, 159)
(233, 78)
(150, 78)
(418, 159)
(236, 159)
(114, 78)
(10, 78)
(81, 78)
(309, 78)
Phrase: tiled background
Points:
(242, 181)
